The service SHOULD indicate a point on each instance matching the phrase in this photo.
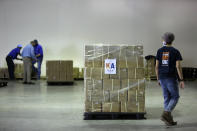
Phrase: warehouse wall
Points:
(63, 26)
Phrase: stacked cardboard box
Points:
(4, 74)
(19, 68)
(59, 71)
(75, 72)
(123, 91)
(81, 73)
(150, 67)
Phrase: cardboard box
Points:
(123, 73)
(138, 50)
(69, 71)
(123, 95)
(140, 62)
(97, 96)
(131, 73)
(89, 55)
(117, 75)
(88, 106)
(75, 72)
(114, 96)
(111, 107)
(52, 71)
(97, 84)
(136, 73)
(19, 70)
(93, 107)
(140, 73)
(123, 92)
(59, 71)
(88, 96)
(81, 73)
(88, 73)
(111, 84)
(114, 52)
(106, 95)
(105, 76)
(129, 107)
(132, 62)
(96, 107)
(88, 84)
(97, 73)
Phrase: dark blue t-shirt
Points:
(167, 57)
(14, 53)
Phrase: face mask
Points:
(164, 43)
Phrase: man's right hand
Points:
(182, 84)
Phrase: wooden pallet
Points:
(60, 83)
(113, 116)
(78, 79)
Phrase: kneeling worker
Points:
(9, 59)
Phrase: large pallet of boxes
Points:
(114, 81)
(59, 72)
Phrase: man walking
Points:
(28, 56)
(9, 59)
(167, 67)
(39, 55)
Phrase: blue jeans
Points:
(38, 70)
(170, 93)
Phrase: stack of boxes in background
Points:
(78, 73)
(150, 68)
(59, 71)
(4, 73)
(19, 71)
(123, 91)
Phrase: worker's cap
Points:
(19, 46)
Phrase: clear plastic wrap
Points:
(120, 92)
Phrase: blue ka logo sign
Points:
(110, 66)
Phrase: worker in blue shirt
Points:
(28, 56)
(39, 55)
(9, 59)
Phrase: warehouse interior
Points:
(64, 28)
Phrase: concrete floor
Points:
(60, 108)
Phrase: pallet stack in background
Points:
(59, 71)
(19, 69)
(78, 73)
(4, 73)
(150, 67)
(123, 92)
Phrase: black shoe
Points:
(30, 83)
(24, 82)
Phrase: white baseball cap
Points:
(19, 46)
